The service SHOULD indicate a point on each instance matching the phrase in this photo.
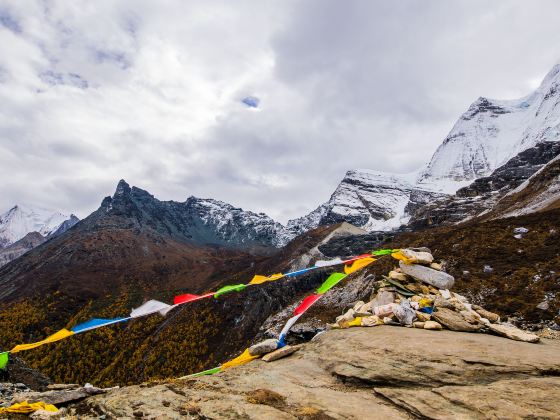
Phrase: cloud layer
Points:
(153, 92)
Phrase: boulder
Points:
(417, 257)
(263, 347)
(358, 305)
(432, 325)
(428, 275)
(404, 312)
(436, 266)
(513, 333)
(441, 302)
(421, 316)
(371, 321)
(395, 275)
(280, 353)
(490, 316)
(348, 316)
(384, 297)
(454, 321)
(470, 317)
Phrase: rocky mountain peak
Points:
(122, 189)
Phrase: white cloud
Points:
(92, 92)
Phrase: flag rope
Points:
(153, 306)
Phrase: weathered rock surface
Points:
(380, 372)
(428, 275)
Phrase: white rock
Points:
(417, 257)
(432, 325)
(263, 347)
(428, 275)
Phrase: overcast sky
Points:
(151, 91)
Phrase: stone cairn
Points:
(417, 294)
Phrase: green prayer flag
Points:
(3, 360)
(381, 252)
(329, 283)
(205, 372)
(229, 289)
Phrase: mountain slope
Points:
(135, 248)
(18, 248)
(480, 198)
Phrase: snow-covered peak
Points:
(368, 199)
(235, 224)
(491, 132)
(21, 220)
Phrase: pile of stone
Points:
(417, 294)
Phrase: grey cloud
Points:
(342, 85)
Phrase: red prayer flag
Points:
(187, 297)
(359, 257)
(306, 303)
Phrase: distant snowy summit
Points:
(20, 220)
(486, 136)
(493, 131)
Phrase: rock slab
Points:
(454, 321)
(280, 353)
(428, 275)
(513, 333)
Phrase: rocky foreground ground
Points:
(382, 372)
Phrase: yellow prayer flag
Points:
(263, 279)
(59, 335)
(399, 256)
(356, 322)
(358, 264)
(25, 407)
(245, 357)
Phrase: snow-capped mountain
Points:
(491, 132)
(368, 199)
(20, 220)
(234, 224)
